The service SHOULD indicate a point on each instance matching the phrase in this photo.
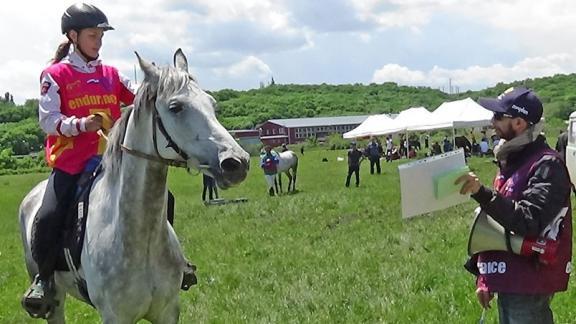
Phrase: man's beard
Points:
(508, 133)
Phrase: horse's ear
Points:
(150, 70)
(180, 61)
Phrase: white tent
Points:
(457, 114)
(413, 117)
(373, 126)
(454, 114)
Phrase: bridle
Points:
(158, 124)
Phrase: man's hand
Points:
(484, 297)
(470, 183)
(93, 123)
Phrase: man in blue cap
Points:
(530, 199)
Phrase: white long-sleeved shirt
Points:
(52, 121)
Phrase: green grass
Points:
(327, 254)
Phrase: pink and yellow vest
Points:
(81, 95)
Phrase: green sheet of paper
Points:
(444, 182)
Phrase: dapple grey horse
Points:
(287, 163)
(131, 260)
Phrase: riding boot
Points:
(271, 192)
(189, 279)
(38, 301)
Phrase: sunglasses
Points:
(499, 116)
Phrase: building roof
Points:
(319, 121)
(243, 131)
(273, 137)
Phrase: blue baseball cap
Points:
(516, 102)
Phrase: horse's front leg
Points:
(280, 181)
(289, 180)
(276, 183)
(57, 316)
(170, 313)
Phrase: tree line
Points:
(20, 134)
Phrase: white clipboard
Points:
(417, 183)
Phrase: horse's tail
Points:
(295, 167)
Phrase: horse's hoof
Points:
(189, 279)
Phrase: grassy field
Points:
(326, 254)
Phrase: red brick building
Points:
(246, 136)
(278, 131)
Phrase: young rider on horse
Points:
(79, 97)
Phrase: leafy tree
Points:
(7, 161)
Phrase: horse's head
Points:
(185, 128)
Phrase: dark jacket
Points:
(374, 150)
(354, 156)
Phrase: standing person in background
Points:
(436, 149)
(302, 149)
(389, 148)
(561, 144)
(531, 198)
(354, 159)
(464, 143)
(210, 186)
(269, 163)
(495, 140)
(374, 151)
(484, 147)
(474, 143)
(446, 144)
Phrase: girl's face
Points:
(89, 40)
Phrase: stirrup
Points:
(189, 279)
(38, 301)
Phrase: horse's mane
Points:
(170, 81)
(113, 154)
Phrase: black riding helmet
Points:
(81, 15)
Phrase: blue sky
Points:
(238, 44)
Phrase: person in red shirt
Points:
(79, 97)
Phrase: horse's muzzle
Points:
(233, 171)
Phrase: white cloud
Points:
(476, 77)
(20, 77)
(228, 41)
(249, 66)
(398, 74)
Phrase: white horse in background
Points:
(131, 260)
(288, 164)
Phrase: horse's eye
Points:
(175, 107)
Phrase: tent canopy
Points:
(465, 113)
(454, 114)
(413, 117)
(382, 125)
(373, 126)
(457, 114)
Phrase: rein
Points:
(157, 123)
